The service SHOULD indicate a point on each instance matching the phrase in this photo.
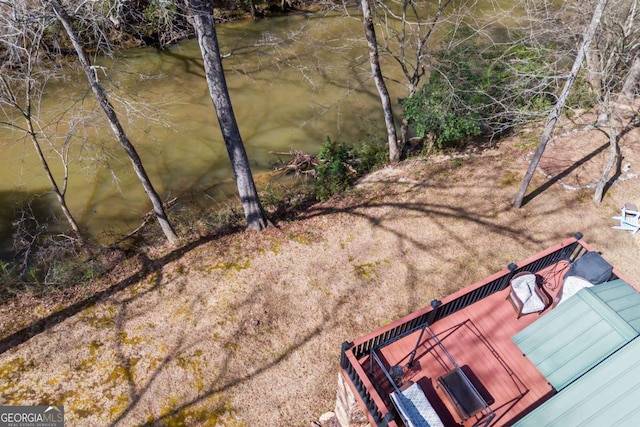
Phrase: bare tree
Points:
(630, 86)
(374, 59)
(616, 47)
(201, 12)
(554, 116)
(614, 152)
(611, 69)
(418, 38)
(407, 30)
(114, 121)
(630, 50)
(22, 79)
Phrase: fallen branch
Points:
(300, 162)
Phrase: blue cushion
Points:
(591, 266)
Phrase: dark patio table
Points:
(462, 393)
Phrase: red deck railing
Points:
(356, 353)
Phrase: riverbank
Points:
(244, 329)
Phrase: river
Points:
(294, 81)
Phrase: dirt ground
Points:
(245, 329)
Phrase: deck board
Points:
(478, 338)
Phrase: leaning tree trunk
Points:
(59, 192)
(201, 13)
(554, 116)
(630, 85)
(102, 98)
(374, 59)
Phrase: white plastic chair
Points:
(629, 218)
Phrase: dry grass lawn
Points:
(245, 329)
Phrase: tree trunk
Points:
(102, 98)
(614, 153)
(60, 193)
(201, 13)
(594, 65)
(630, 85)
(374, 59)
(26, 113)
(554, 116)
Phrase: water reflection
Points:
(293, 82)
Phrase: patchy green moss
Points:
(10, 373)
(184, 311)
(120, 405)
(100, 320)
(509, 179)
(94, 346)
(230, 266)
(221, 414)
(303, 240)
(584, 195)
(527, 139)
(456, 162)
(124, 339)
(232, 346)
(119, 374)
(153, 278)
(276, 245)
(154, 363)
(56, 398)
(86, 365)
(83, 407)
(193, 364)
(367, 270)
(14, 366)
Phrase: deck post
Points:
(434, 306)
(434, 309)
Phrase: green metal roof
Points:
(581, 332)
(589, 350)
(622, 298)
(608, 395)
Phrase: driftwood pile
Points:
(300, 163)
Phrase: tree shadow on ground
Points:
(148, 266)
(442, 213)
(565, 173)
(225, 379)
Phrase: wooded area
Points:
(180, 316)
(464, 88)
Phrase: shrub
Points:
(370, 155)
(474, 90)
(340, 165)
(44, 258)
(335, 172)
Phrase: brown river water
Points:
(293, 80)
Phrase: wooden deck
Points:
(479, 339)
